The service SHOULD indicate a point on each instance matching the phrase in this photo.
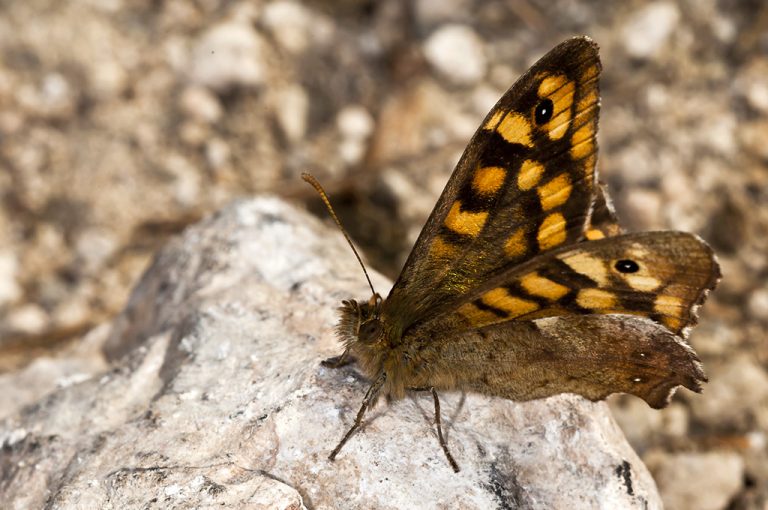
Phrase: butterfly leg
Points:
(370, 397)
(438, 422)
(338, 361)
(443, 444)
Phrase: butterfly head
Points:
(360, 323)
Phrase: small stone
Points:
(289, 23)
(200, 104)
(218, 153)
(719, 134)
(354, 121)
(194, 133)
(753, 137)
(71, 313)
(94, 246)
(429, 13)
(29, 319)
(758, 304)
(647, 30)
(228, 55)
(637, 165)
(696, 481)
(644, 208)
(187, 185)
(752, 84)
(355, 125)
(457, 53)
(291, 107)
(54, 98)
(734, 391)
(108, 79)
(10, 290)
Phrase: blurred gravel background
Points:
(121, 122)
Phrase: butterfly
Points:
(522, 284)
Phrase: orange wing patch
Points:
(512, 126)
(465, 222)
(551, 231)
(556, 192)
(488, 180)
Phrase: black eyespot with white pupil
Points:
(627, 266)
(543, 111)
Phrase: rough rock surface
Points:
(216, 397)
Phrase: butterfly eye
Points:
(370, 331)
(626, 266)
(543, 111)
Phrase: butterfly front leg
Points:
(338, 361)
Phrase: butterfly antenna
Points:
(320, 191)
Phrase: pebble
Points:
(29, 319)
(355, 125)
(696, 481)
(758, 304)
(200, 104)
(217, 153)
(354, 121)
(289, 24)
(752, 84)
(429, 13)
(94, 247)
(647, 30)
(643, 207)
(10, 290)
(229, 54)
(291, 107)
(734, 391)
(457, 53)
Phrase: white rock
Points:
(647, 30)
(228, 55)
(10, 290)
(265, 278)
(457, 53)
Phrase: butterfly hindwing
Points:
(524, 185)
(659, 275)
(590, 355)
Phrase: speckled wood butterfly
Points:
(521, 284)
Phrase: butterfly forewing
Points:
(525, 185)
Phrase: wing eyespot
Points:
(627, 266)
(543, 111)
